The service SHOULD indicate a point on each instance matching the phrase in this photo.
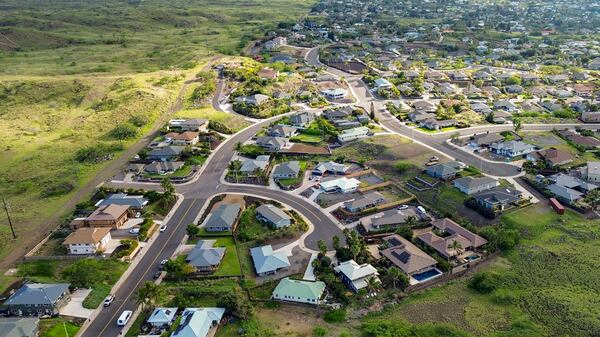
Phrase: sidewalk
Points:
(131, 267)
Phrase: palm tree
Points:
(235, 166)
(395, 274)
(148, 293)
(411, 221)
(456, 246)
(373, 285)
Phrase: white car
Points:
(163, 228)
(134, 230)
(138, 215)
(108, 300)
(401, 207)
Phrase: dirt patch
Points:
(231, 199)
(298, 321)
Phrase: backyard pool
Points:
(472, 257)
(422, 277)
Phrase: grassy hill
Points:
(73, 72)
(71, 37)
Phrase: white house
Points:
(382, 83)
(352, 134)
(593, 171)
(162, 317)
(337, 93)
(344, 185)
(88, 240)
(275, 43)
(355, 275)
(310, 292)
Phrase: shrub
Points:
(138, 120)
(402, 167)
(319, 331)
(96, 153)
(335, 316)
(123, 131)
(57, 189)
(129, 246)
(484, 282)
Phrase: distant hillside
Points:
(71, 37)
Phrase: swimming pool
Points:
(422, 277)
(472, 257)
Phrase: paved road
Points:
(196, 195)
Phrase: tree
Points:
(238, 146)
(192, 230)
(336, 242)
(373, 285)
(456, 247)
(397, 277)
(234, 304)
(517, 126)
(148, 294)
(168, 196)
(372, 111)
(235, 167)
(124, 131)
(593, 199)
(405, 232)
(322, 247)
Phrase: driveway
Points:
(74, 307)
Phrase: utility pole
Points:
(6, 207)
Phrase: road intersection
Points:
(209, 183)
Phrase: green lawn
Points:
(249, 228)
(183, 171)
(246, 260)
(306, 138)
(107, 272)
(547, 286)
(230, 265)
(233, 122)
(57, 327)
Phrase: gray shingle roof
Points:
(224, 216)
(265, 260)
(290, 168)
(204, 255)
(38, 293)
(271, 213)
(18, 326)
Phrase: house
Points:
(420, 116)
(300, 291)
(344, 124)
(424, 106)
(583, 90)
(590, 116)
(552, 157)
(513, 89)
(450, 228)
(459, 76)
(330, 167)
(505, 105)
(197, 322)
(268, 262)
(551, 106)
(136, 202)
(167, 153)
(564, 193)
(512, 149)
(276, 43)
(204, 257)
(163, 167)
(281, 131)
(337, 114)
(267, 74)
(162, 317)
(353, 134)
(302, 119)
(273, 216)
(193, 124)
(594, 64)
(287, 170)
(382, 83)
(585, 141)
(434, 124)
(444, 245)
(38, 299)
(251, 166)
(113, 216)
(255, 100)
(343, 185)
(392, 218)
(592, 171)
(87, 240)
(272, 143)
(355, 275)
(481, 108)
(470, 185)
(406, 256)
(368, 200)
(444, 171)
(498, 198)
(484, 140)
(491, 90)
(223, 219)
(184, 138)
(334, 94)
(19, 327)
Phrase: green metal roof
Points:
(297, 288)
